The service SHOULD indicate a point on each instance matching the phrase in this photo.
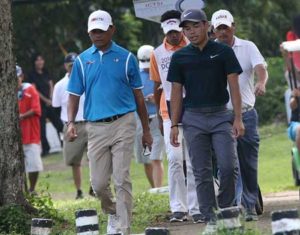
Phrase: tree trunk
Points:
(11, 154)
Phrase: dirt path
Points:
(272, 202)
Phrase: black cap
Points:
(70, 57)
(193, 15)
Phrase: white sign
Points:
(153, 9)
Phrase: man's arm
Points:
(262, 78)
(157, 97)
(73, 103)
(143, 115)
(51, 88)
(238, 126)
(155, 76)
(27, 114)
(176, 109)
(294, 98)
(47, 101)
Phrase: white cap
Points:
(19, 71)
(99, 20)
(222, 17)
(171, 24)
(143, 55)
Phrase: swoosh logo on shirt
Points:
(213, 56)
(186, 14)
(90, 62)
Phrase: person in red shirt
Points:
(293, 35)
(29, 115)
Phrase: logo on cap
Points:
(171, 21)
(186, 14)
(97, 19)
(221, 17)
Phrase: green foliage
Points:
(44, 204)
(132, 27)
(149, 209)
(270, 107)
(241, 231)
(14, 219)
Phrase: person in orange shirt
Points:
(183, 197)
(29, 116)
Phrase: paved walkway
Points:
(272, 202)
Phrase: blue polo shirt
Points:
(148, 89)
(107, 79)
(203, 73)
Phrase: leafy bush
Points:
(14, 219)
(43, 203)
(270, 107)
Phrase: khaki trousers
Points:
(110, 150)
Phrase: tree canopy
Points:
(54, 27)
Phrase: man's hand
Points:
(296, 92)
(147, 140)
(174, 136)
(238, 128)
(48, 102)
(71, 132)
(150, 98)
(260, 89)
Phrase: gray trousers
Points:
(204, 132)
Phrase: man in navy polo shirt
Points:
(204, 68)
(109, 76)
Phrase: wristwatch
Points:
(69, 122)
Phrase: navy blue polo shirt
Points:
(107, 79)
(203, 73)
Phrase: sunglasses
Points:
(147, 60)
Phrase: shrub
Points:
(270, 107)
(14, 219)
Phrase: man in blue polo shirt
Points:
(204, 68)
(109, 76)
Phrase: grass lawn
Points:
(274, 175)
(275, 171)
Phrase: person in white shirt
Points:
(72, 151)
(252, 62)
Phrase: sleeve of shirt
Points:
(154, 73)
(232, 64)
(35, 101)
(76, 82)
(133, 73)
(174, 72)
(56, 99)
(255, 55)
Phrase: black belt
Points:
(247, 108)
(77, 122)
(212, 109)
(110, 119)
